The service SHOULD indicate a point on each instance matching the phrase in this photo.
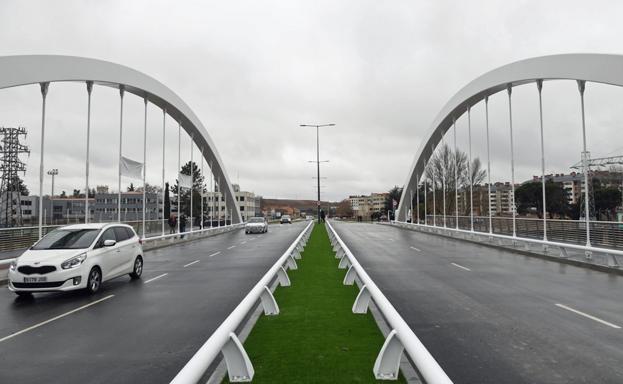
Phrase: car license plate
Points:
(41, 279)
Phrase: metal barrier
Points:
(562, 247)
(224, 338)
(401, 337)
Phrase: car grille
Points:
(50, 284)
(29, 270)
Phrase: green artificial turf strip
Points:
(315, 338)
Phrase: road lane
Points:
(497, 322)
(146, 332)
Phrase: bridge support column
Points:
(239, 367)
(387, 364)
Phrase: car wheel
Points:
(94, 282)
(138, 268)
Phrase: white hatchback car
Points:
(78, 256)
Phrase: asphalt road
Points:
(136, 331)
(493, 316)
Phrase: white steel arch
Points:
(598, 68)
(33, 69)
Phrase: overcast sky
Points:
(254, 70)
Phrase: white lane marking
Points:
(460, 266)
(232, 247)
(585, 315)
(189, 264)
(155, 278)
(244, 242)
(54, 318)
(214, 254)
(390, 239)
(416, 249)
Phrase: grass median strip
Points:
(316, 338)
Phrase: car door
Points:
(105, 256)
(125, 254)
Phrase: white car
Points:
(256, 225)
(78, 256)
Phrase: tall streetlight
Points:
(318, 157)
(52, 172)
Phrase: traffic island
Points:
(315, 338)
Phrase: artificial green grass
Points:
(316, 338)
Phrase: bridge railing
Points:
(224, 339)
(604, 234)
(401, 337)
(562, 235)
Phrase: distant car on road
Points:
(256, 225)
(286, 219)
(80, 256)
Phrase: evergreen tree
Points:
(198, 189)
(167, 201)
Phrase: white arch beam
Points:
(33, 69)
(597, 68)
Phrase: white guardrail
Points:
(401, 337)
(151, 241)
(611, 254)
(224, 338)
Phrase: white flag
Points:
(131, 168)
(186, 181)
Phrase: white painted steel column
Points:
(585, 168)
(201, 192)
(539, 85)
(218, 183)
(469, 169)
(86, 177)
(456, 178)
(144, 164)
(212, 196)
(44, 93)
(509, 90)
(164, 118)
(411, 204)
(443, 180)
(417, 197)
(179, 172)
(488, 162)
(192, 180)
(121, 92)
(434, 187)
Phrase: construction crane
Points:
(598, 163)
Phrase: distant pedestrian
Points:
(182, 224)
(172, 224)
(322, 216)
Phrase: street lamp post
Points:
(318, 159)
(52, 172)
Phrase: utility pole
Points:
(318, 159)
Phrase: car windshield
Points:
(256, 220)
(67, 239)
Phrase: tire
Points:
(94, 280)
(137, 271)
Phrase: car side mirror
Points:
(109, 243)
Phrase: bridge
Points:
(461, 293)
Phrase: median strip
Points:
(316, 337)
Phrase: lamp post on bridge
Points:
(318, 158)
(52, 172)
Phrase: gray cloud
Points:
(253, 71)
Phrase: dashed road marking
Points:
(460, 266)
(214, 254)
(156, 278)
(244, 242)
(416, 249)
(604, 322)
(191, 263)
(232, 247)
(54, 318)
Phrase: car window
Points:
(130, 232)
(121, 234)
(109, 234)
(67, 239)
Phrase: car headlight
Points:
(74, 261)
(13, 265)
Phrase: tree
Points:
(131, 187)
(167, 201)
(607, 199)
(529, 197)
(198, 190)
(344, 209)
(63, 194)
(394, 194)
(76, 193)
